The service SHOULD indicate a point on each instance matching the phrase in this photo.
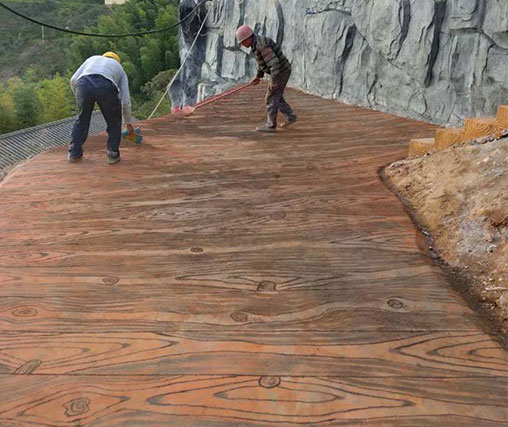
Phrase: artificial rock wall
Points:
(435, 60)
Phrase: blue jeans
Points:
(90, 90)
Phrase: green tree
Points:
(7, 118)
(22, 43)
(144, 57)
(27, 105)
(56, 98)
(152, 92)
(43, 95)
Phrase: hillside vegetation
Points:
(34, 71)
(21, 41)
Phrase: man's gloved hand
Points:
(255, 81)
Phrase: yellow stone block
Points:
(421, 146)
(502, 117)
(447, 137)
(479, 127)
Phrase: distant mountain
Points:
(24, 44)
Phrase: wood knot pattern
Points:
(197, 250)
(24, 312)
(188, 340)
(77, 407)
(28, 367)
(257, 185)
(395, 304)
(239, 316)
(269, 382)
(110, 280)
(278, 216)
(267, 286)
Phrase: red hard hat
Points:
(243, 33)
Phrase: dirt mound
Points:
(460, 196)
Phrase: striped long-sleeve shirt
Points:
(269, 57)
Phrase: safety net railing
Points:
(24, 144)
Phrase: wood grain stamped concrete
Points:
(219, 277)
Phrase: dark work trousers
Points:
(275, 101)
(90, 90)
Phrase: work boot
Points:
(289, 121)
(265, 129)
(113, 159)
(75, 159)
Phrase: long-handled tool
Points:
(189, 109)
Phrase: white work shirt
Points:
(114, 72)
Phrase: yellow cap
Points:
(112, 55)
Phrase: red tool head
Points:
(188, 110)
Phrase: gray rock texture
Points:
(434, 60)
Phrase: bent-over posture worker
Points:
(101, 80)
(271, 61)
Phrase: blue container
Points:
(135, 137)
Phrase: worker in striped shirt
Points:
(270, 61)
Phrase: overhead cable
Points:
(80, 33)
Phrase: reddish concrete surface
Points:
(216, 276)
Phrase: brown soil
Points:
(460, 198)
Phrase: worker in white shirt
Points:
(101, 80)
